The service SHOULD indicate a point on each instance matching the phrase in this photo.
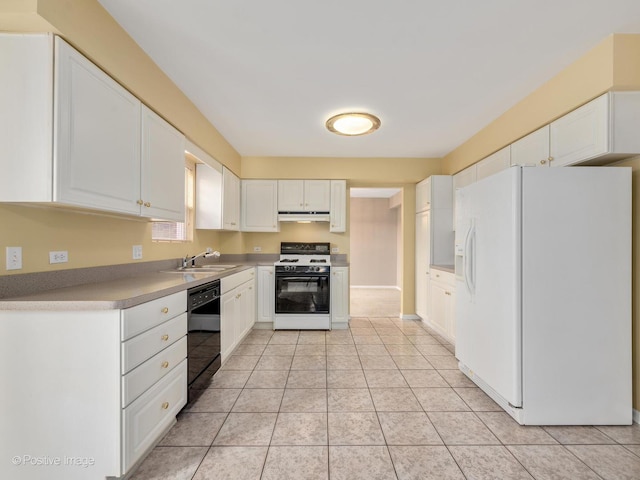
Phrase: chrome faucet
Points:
(192, 259)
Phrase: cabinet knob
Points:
(447, 293)
(164, 337)
(147, 204)
(233, 223)
(542, 162)
(165, 364)
(551, 159)
(438, 275)
(165, 310)
(140, 202)
(165, 405)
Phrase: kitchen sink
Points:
(207, 268)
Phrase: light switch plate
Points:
(59, 257)
(257, 249)
(137, 252)
(14, 258)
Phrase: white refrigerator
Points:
(543, 292)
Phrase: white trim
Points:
(263, 326)
(636, 416)
(410, 316)
(390, 287)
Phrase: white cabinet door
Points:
(423, 195)
(260, 206)
(208, 197)
(423, 261)
(266, 294)
(290, 195)
(338, 220)
(230, 200)
(339, 295)
(97, 134)
(441, 316)
(581, 134)
(493, 163)
(26, 118)
(317, 195)
(228, 315)
(162, 169)
(247, 300)
(441, 307)
(532, 150)
(304, 195)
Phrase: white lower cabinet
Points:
(339, 297)
(146, 419)
(266, 294)
(441, 313)
(237, 310)
(98, 385)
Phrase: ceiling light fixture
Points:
(351, 124)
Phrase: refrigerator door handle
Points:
(468, 259)
(472, 259)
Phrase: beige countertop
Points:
(115, 294)
(127, 291)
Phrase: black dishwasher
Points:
(203, 338)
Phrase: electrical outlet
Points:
(14, 258)
(257, 249)
(335, 250)
(137, 252)
(59, 257)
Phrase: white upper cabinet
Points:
(423, 195)
(230, 200)
(260, 206)
(603, 130)
(493, 163)
(532, 150)
(304, 195)
(72, 135)
(465, 177)
(97, 137)
(162, 169)
(338, 220)
(208, 196)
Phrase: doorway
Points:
(375, 252)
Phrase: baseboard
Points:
(636, 416)
(263, 326)
(390, 287)
(411, 316)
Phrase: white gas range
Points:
(302, 291)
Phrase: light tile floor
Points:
(369, 403)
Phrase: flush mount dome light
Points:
(352, 124)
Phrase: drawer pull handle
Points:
(140, 202)
(164, 337)
(147, 204)
(165, 310)
(165, 405)
(165, 364)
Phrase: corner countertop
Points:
(445, 268)
(124, 286)
(115, 294)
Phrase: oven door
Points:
(302, 293)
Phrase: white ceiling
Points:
(267, 74)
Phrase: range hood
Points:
(303, 217)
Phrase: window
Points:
(179, 231)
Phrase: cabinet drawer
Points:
(137, 319)
(142, 377)
(147, 417)
(232, 281)
(441, 276)
(144, 346)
